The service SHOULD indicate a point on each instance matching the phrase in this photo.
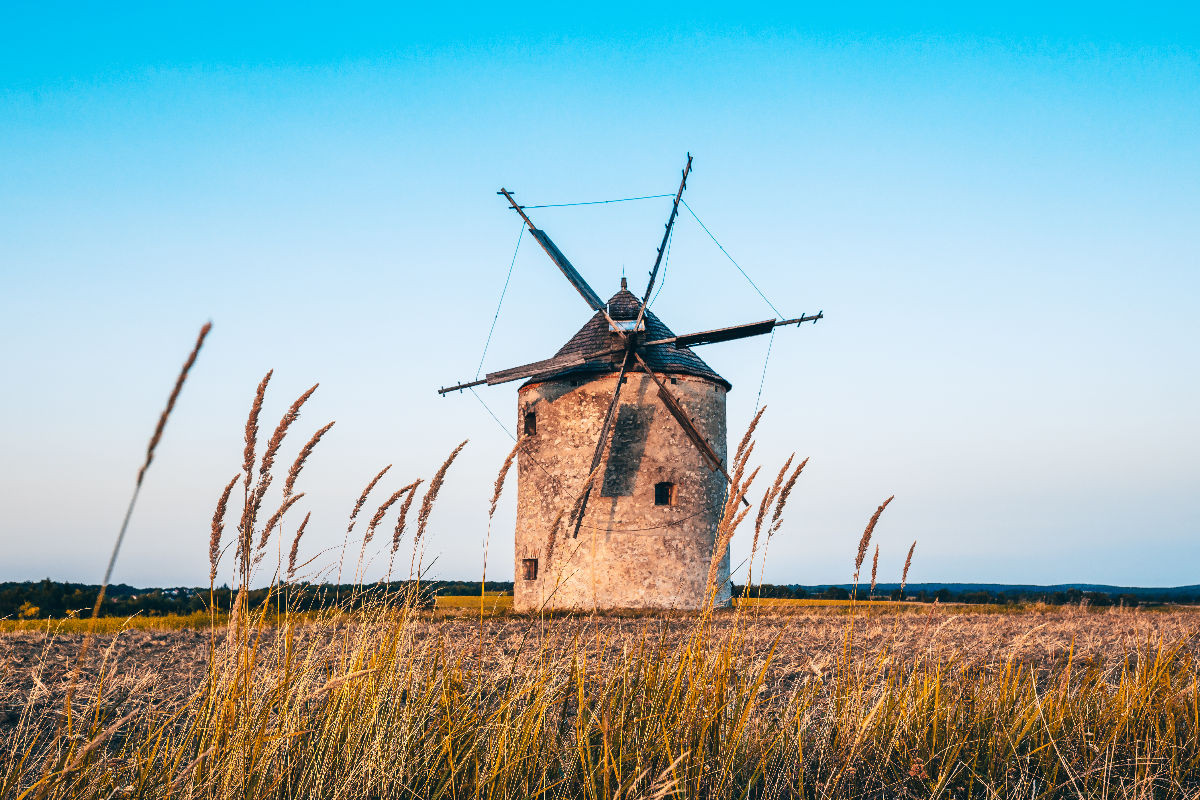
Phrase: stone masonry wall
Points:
(630, 553)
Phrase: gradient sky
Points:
(997, 209)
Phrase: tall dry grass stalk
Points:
(497, 488)
(865, 541)
(218, 526)
(431, 493)
(302, 457)
(763, 507)
(291, 573)
(401, 520)
(402, 517)
(907, 564)
(781, 501)
(732, 515)
(731, 519)
(748, 435)
(274, 520)
(380, 513)
(265, 475)
(250, 435)
(874, 569)
(171, 399)
(362, 499)
(288, 419)
(155, 438)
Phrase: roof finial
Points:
(624, 284)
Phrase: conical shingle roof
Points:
(595, 336)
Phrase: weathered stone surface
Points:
(630, 553)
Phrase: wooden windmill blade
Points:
(662, 247)
(673, 405)
(556, 364)
(564, 265)
(628, 336)
(536, 369)
(732, 332)
(568, 270)
(719, 334)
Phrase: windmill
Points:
(648, 542)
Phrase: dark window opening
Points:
(674, 381)
(530, 423)
(529, 568)
(664, 494)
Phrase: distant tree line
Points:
(989, 596)
(53, 599)
(47, 599)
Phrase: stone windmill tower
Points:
(627, 403)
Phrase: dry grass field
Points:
(762, 701)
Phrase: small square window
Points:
(530, 423)
(664, 494)
(529, 569)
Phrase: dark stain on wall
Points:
(628, 447)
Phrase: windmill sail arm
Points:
(719, 334)
(681, 416)
(589, 295)
(537, 368)
(585, 291)
(732, 332)
(666, 238)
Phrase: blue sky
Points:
(995, 208)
